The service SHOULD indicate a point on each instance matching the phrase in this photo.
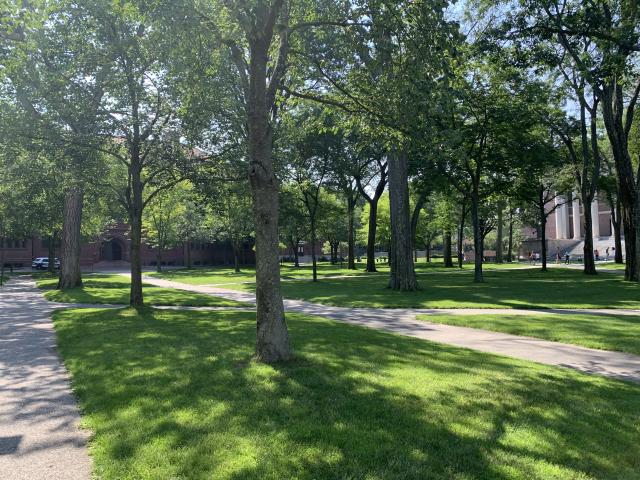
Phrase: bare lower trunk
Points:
(371, 238)
(478, 241)
(543, 238)
(188, 253)
(351, 262)
(236, 257)
(589, 261)
(448, 261)
(136, 299)
(70, 274)
(403, 275)
(296, 256)
(159, 260)
(499, 236)
(463, 216)
(2, 249)
(616, 223)
(314, 260)
(272, 339)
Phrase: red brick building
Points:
(112, 249)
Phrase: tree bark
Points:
(499, 235)
(448, 260)
(314, 260)
(371, 236)
(351, 212)
(272, 341)
(236, 257)
(136, 298)
(403, 275)
(188, 253)
(543, 230)
(589, 261)
(613, 114)
(616, 222)
(463, 216)
(159, 259)
(70, 273)
(2, 254)
(478, 239)
(510, 247)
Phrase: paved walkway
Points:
(403, 321)
(39, 434)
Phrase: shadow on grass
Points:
(175, 394)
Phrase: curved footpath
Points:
(403, 321)
(39, 434)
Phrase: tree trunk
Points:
(159, 259)
(236, 257)
(188, 253)
(351, 208)
(371, 238)
(2, 253)
(296, 256)
(543, 231)
(463, 216)
(613, 115)
(70, 274)
(589, 261)
(499, 235)
(272, 339)
(403, 275)
(510, 247)
(478, 239)
(616, 222)
(314, 260)
(448, 260)
(136, 298)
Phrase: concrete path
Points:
(403, 321)
(39, 434)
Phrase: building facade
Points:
(112, 249)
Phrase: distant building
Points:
(565, 228)
(112, 250)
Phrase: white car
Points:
(42, 263)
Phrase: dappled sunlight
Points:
(179, 393)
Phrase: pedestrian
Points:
(567, 258)
(597, 254)
(613, 252)
(558, 256)
(606, 254)
(530, 257)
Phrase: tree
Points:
(161, 220)
(294, 227)
(333, 223)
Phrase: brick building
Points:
(112, 250)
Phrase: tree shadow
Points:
(177, 388)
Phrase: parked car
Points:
(42, 263)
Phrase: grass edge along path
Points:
(620, 333)
(179, 397)
(114, 289)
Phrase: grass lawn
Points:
(226, 276)
(114, 289)
(605, 332)
(177, 397)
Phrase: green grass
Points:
(114, 289)
(226, 276)
(177, 397)
(557, 288)
(604, 332)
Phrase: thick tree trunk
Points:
(403, 275)
(351, 209)
(589, 260)
(70, 274)
(371, 238)
(136, 298)
(478, 239)
(448, 260)
(296, 256)
(272, 342)
(499, 235)
(613, 114)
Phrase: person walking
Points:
(606, 254)
(567, 258)
(597, 254)
(558, 256)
